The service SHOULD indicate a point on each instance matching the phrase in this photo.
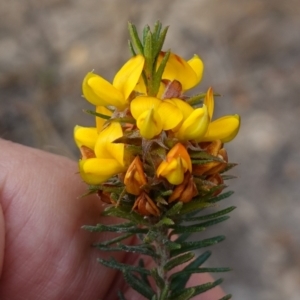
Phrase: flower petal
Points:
(170, 115)
(99, 91)
(99, 121)
(149, 124)
(178, 69)
(224, 129)
(85, 136)
(195, 126)
(105, 148)
(197, 66)
(173, 171)
(98, 170)
(143, 103)
(184, 107)
(128, 76)
(209, 102)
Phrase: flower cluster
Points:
(151, 147)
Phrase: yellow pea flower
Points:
(194, 122)
(109, 156)
(188, 73)
(85, 136)
(154, 115)
(225, 128)
(176, 164)
(100, 92)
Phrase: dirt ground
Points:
(251, 51)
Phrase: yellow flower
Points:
(176, 164)
(154, 115)
(195, 121)
(188, 73)
(100, 92)
(225, 128)
(109, 156)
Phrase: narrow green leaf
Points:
(160, 42)
(228, 167)
(112, 263)
(199, 289)
(148, 55)
(144, 277)
(193, 206)
(184, 229)
(227, 297)
(185, 294)
(198, 99)
(125, 213)
(211, 216)
(199, 270)
(198, 227)
(165, 292)
(138, 285)
(135, 38)
(228, 177)
(157, 30)
(180, 282)
(182, 237)
(114, 228)
(113, 241)
(179, 260)
(221, 197)
(96, 114)
(189, 246)
(164, 221)
(159, 72)
(171, 245)
(158, 280)
(174, 210)
(207, 286)
(124, 120)
(131, 49)
(145, 34)
(141, 249)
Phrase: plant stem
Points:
(163, 257)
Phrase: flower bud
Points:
(145, 206)
(185, 191)
(214, 167)
(135, 177)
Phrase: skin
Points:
(44, 253)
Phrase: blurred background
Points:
(251, 51)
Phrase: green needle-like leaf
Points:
(158, 280)
(188, 246)
(180, 282)
(171, 264)
(96, 114)
(112, 263)
(138, 285)
(135, 38)
(199, 270)
(184, 294)
(227, 297)
(221, 197)
(174, 210)
(211, 216)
